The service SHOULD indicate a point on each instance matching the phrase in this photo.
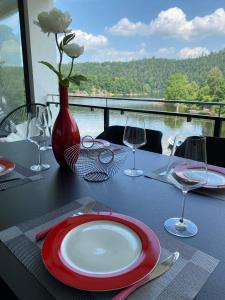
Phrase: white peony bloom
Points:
(54, 22)
(73, 50)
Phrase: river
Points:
(91, 122)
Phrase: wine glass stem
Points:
(39, 155)
(134, 165)
(183, 207)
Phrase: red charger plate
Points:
(7, 166)
(179, 170)
(145, 263)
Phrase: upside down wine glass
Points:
(188, 171)
(134, 137)
(36, 133)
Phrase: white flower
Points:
(73, 50)
(54, 22)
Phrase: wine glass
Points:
(134, 137)
(48, 130)
(187, 171)
(174, 143)
(36, 127)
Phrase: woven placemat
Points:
(183, 281)
(19, 176)
(159, 174)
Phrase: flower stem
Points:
(71, 68)
(60, 52)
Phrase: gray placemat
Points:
(214, 193)
(183, 281)
(17, 177)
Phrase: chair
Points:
(13, 127)
(215, 149)
(114, 134)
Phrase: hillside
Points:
(144, 77)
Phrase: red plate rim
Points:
(180, 168)
(9, 166)
(94, 282)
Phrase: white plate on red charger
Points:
(100, 251)
(190, 172)
(6, 166)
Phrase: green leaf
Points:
(51, 68)
(78, 77)
(76, 81)
(68, 38)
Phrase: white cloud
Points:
(127, 28)
(173, 23)
(164, 52)
(88, 40)
(193, 52)
(112, 54)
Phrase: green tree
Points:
(204, 93)
(214, 80)
(192, 90)
(177, 87)
(216, 83)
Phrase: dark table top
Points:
(146, 199)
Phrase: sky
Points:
(124, 30)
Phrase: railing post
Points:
(106, 118)
(217, 127)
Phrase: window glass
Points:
(12, 89)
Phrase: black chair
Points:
(215, 148)
(114, 134)
(15, 122)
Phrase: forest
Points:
(191, 79)
(200, 79)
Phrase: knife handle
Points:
(42, 234)
(129, 290)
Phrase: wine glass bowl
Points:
(48, 124)
(188, 171)
(134, 137)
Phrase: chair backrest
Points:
(114, 134)
(13, 126)
(215, 149)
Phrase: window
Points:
(12, 88)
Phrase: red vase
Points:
(65, 132)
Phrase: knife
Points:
(158, 271)
(85, 209)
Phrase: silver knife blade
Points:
(164, 266)
(159, 270)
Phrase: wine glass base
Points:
(133, 172)
(182, 229)
(38, 168)
(44, 148)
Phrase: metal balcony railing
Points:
(108, 104)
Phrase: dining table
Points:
(146, 199)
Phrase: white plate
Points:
(214, 178)
(2, 168)
(101, 247)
